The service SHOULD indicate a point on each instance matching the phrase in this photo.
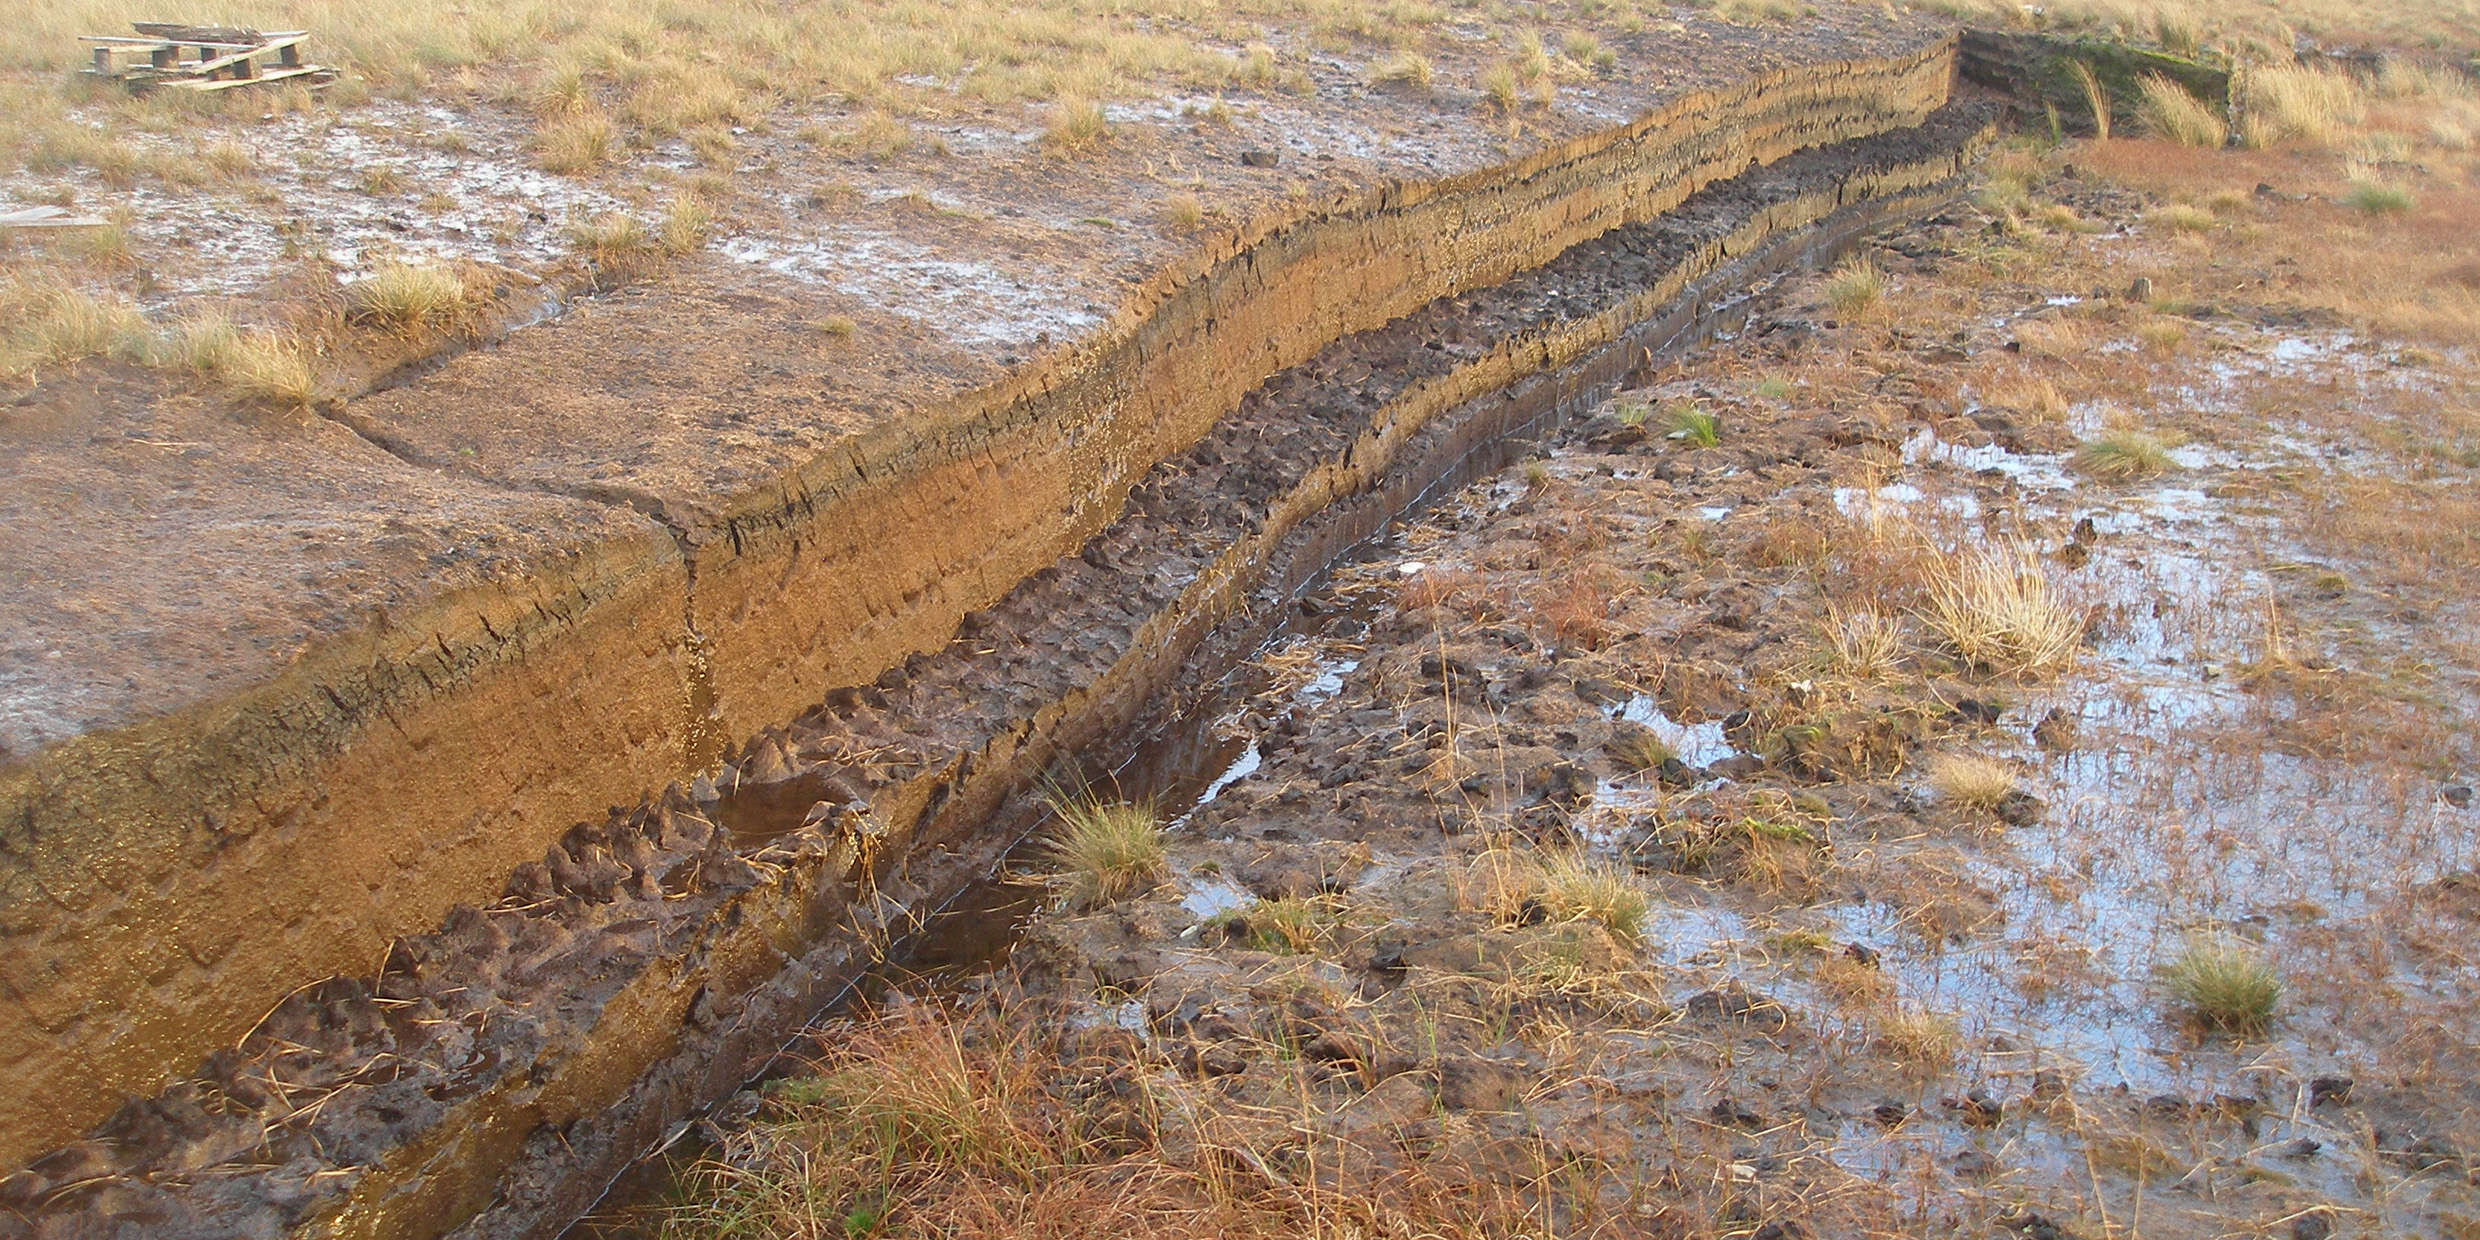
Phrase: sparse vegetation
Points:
(1862, 642)
(1105, 850)
(1561, 885)
(2222, 984)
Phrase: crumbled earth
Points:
(1866, 996)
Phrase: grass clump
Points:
(2096, 99)
(1862, 642)
(1075, 125)
(409, 297)
(1856, 287)
(1692, 426)
(1183, 212)
(2222, 984)
(1503, 89)
(878, 137)
(1974, 783)
(1562, 885)
(54, 324)
(267, 367)
(686, 226)
(1641, 750)
(258, 365)
(1918, 1037)
(2170, 112)
(613, 240)
(2370, 196)
(1105, 849)
(1411, 69)
(1995, 607)
(2122, 456)
(574, 144)
(1290, 926)
(2182, 218)
(2297, 102)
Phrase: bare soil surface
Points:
(1392, 980)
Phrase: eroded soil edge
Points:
(495, 1074)
(169, 882)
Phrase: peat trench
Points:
(494, 1078)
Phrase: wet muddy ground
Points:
(1912, 918)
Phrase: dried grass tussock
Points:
(1559, 884)
(1996, 608)
(1105, 849)
(411, 296)
(1975, 783)
(2223, 984)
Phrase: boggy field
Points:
(1986, 751)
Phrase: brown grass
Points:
(1076, 124)
(51, 324)
(930, 1123)
(1974, 783)
(575, 144)
(1921, 1038)
(1996, 608)
(411, 297)
(1575, 610)
(1562, 884)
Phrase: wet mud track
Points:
(504, 1069)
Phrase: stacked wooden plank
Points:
(203, 58)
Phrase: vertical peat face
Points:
(166, 883)
(494, 1074)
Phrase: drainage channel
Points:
(1182, 763)
(1187, 756)
(659, 961)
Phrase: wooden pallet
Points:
(226, 56)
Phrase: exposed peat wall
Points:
(488, 1078)
(163, 886)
